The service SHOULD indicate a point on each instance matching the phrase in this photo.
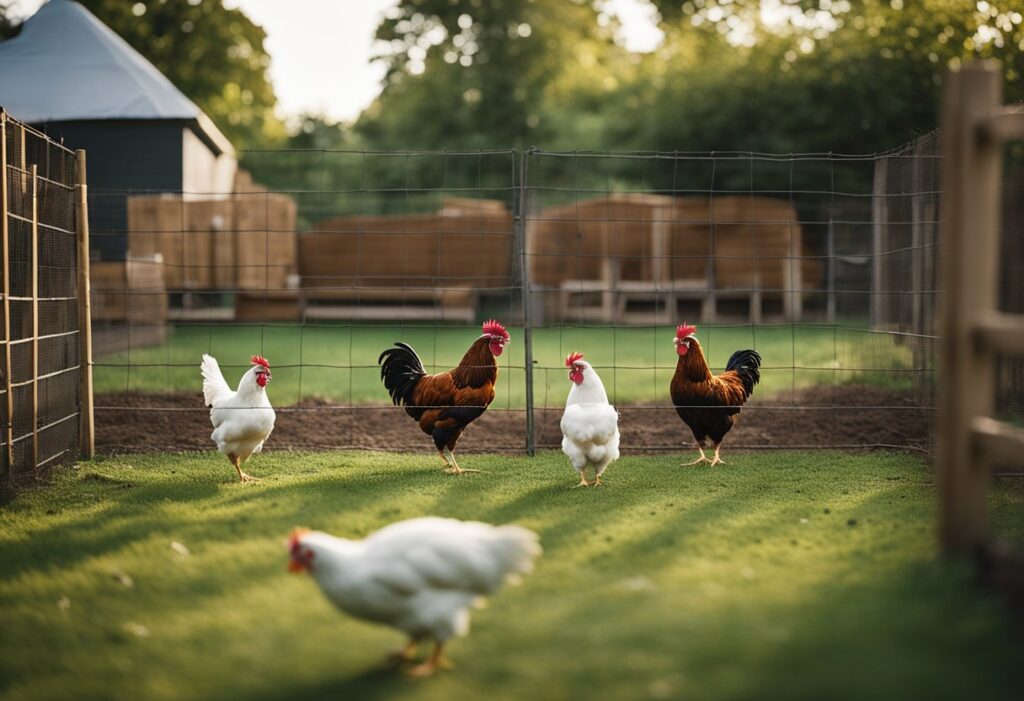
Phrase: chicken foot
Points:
(431, 664)
(242, 476)
(702, 459)
(717, 460)
(583, 480)
(453, 467)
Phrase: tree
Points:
(854, 76)
(473, 74)
(213, 54)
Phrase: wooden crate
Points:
(570, 241)
(439, 259)
(244, 240)
(667, 249)
(268, 306)
(265, 241)
(131, 291)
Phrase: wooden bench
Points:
(381, 304)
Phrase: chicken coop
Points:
(596, 253)
(45, 374)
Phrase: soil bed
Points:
(846, 416)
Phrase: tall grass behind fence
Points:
(39, 338)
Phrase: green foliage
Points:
(213, 54)
(785, 575)
(847, 77)
(480, 75)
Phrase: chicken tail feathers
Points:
(214, 385)
(517, 548)
(747, 365)
(400, 369)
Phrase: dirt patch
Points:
(849, 416)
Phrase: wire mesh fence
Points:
(320, 260)
(39, 397)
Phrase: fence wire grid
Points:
(824, 263)
(39, 329)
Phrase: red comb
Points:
(685, 330)
(295, 537)
(260, 360)
(571, 360)
(493, 328)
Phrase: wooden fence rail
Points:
(974, 127)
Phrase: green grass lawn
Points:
(782, 576)
(339, 362)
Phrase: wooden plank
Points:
(1006, 124)
(5, 236)
(34, 266)
(997, 441)
(971, 172)
(999, 332)
(87, 432)
(403, 313)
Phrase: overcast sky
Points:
(321, 49)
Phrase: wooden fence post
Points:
(87, 425)
(34, 265)
(969, 245)
(5, 243)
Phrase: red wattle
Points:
(576, 376)
(496, 349)
(681, 349)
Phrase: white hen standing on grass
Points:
(420, 576)
(590, 425)
(243, 419)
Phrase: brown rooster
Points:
(707, 403)
(446, 403)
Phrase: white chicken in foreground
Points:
(420, 576)
(590, 425)
(242, 420)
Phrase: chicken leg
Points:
(242, 476)
(431, 664)
(583, 479)
(717, 460)
(453, 467)
(703, 458)
(397, 657)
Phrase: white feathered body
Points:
(243, 419)
(590, 425)
(420, 576)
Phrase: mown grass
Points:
(781, 576)
(339, 362)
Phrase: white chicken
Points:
(590, 425)
(420, 576)
(243, 419)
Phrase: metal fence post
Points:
(87, 438)
(524, 281)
